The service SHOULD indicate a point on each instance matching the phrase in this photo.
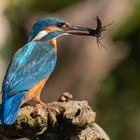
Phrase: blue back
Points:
(30, 64)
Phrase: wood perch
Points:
(61, 120)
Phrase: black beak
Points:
(85, 31)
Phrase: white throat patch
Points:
(40, 35)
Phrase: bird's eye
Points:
(60, 24)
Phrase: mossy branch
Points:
(61, 120)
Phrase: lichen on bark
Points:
(64, 119)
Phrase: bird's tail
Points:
(10, 109)
(0, 111)
(0, 116)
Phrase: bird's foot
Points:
(25, 104)
(40, 104)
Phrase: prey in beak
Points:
(85, 31)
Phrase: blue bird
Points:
(33, 63)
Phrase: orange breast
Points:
(53, 42)
(35, 92)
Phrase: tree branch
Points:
(64, 119)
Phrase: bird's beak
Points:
(77, 30)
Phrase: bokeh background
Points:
(108, 78)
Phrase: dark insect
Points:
(98, 31)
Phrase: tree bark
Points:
(64, 119)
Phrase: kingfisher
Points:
(32, 65)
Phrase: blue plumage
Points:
(31, 65)
(37, 64)
(10, 108)
(43, 23)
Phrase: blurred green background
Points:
(110, 80)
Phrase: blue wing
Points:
(30, 64)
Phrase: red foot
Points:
(40, 104)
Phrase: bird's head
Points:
(51, 28)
